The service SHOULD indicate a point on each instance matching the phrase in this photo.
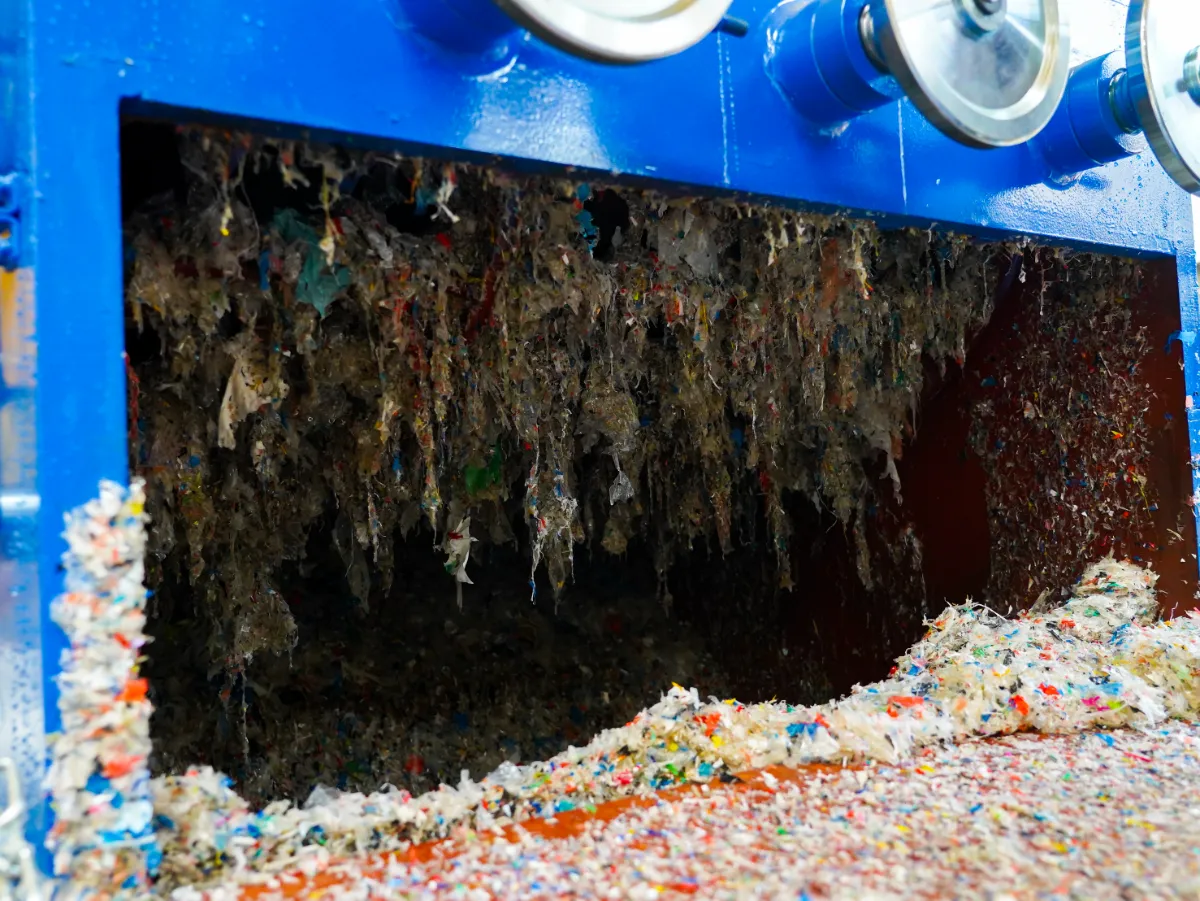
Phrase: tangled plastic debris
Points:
(559, 364)
(1099, 660)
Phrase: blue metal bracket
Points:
(28, 654)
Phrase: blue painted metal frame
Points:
(709, 119)
(22, 640)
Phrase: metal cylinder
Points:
(1096, 123)
(817, 59)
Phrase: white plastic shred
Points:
(458, 554)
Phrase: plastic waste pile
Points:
(1099, 815)
(1100, 660)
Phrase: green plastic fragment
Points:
(481, 478)
(317, 286)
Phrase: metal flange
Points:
(988, 73)
(1162, 56)
(619, 31)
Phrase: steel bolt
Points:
(982, 16)
(1191, 74)
(733, 26)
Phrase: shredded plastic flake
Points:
(1100, 660)
(1100, 815)
(1097, 661)
(99, 777)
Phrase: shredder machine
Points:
(1061, 135)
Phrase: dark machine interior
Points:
(1049, 443)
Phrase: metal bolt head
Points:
(982, 17)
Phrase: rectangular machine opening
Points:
(450, 466)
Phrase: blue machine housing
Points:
(359, 72)
(816, 58)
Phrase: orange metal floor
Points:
(566, 825)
